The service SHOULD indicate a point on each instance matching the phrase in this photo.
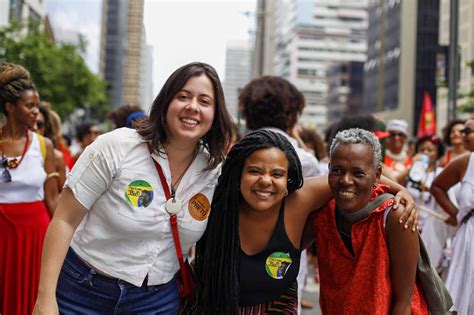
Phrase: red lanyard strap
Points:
(174, 223)
(162, 176)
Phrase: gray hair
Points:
(355, 136)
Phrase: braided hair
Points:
(217, 253)
(14, 80)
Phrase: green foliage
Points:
(468, 106)
(57, 69)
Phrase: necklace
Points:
(173, 205)
(14, 162)
(178, 180)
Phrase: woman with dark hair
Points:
(429, 150)
(123, 256)
(86, 133)
(248, 259)
(45, 127)
(453, 139)
(460, 279)
(126, 115)
(274, 103)
(27, 191)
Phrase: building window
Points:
(16, 7)
(34, 16)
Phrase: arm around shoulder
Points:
(314, 194)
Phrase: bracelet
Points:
(51, 175)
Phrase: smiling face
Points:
(26, 109)
(264, 179)
(455, 135)
(352, 175)
(396, 141)
(191, 111)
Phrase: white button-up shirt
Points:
(126, 233)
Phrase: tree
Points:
(468, 106)
(57, 69)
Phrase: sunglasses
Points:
(5, 176)
(466, 131)
(396, 134)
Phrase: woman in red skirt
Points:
(27, 191)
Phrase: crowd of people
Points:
(110, 225)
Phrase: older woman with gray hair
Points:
(367, 261)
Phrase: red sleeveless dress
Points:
(358, 284)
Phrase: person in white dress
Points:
(460, 279)
(434, 231)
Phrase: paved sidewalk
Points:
(311, 294)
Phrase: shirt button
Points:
(151, 259)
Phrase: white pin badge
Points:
(173, 206)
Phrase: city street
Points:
(311, 294)
(135, 133)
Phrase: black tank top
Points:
(269, 274)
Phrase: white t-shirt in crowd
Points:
(126, 233)
(27, 179)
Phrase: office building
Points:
(466, 51)
(11, 10)
(401, 61)
(307, 38)
(122, 46)
(237, 73)
(345, 88)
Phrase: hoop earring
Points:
(286, 192)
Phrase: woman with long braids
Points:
(27, 191)
(248, 259)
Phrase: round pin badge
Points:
(199, 207)
(139, 193)
(173, 206)
(277, 264)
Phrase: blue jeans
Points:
(81, 290)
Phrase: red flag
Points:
(427, 124)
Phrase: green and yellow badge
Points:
(277, 264)
(139, 193)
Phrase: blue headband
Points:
(132, 117)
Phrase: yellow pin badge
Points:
(139, 193)
(277, 264)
